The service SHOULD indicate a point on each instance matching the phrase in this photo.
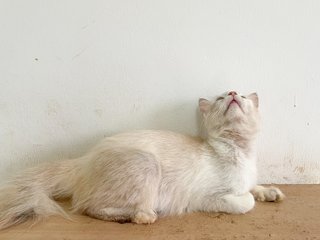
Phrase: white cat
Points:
(142, 175)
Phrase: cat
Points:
(142, 175)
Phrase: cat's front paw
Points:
(267, 194)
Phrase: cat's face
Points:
(231, 111)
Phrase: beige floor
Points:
(298, 217)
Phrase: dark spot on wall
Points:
(98, 112)
(299, 169)
(53, 108)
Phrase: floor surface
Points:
(297, 217)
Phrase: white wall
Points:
(75, 71)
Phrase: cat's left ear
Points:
(254, 98)
(204, 105)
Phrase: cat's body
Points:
(141, 175)
(176, 173)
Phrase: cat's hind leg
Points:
(121, 215)
(267, 194)
(125, 187)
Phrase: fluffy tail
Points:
(30, 194)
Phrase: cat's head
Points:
(231, 114)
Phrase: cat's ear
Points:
(204, 105)
(254, 98)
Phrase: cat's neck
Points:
(233, 140)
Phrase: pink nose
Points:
(232, 93)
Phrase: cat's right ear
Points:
(204, 105)
(254, 98)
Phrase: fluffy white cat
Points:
(143, 175)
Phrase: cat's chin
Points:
(234, 112)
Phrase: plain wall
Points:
(75, 71)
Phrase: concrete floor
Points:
(297, 217)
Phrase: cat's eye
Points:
(243, 96)
(219, 98)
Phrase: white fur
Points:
(141, 175)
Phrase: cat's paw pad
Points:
(142, 217)
(269, 194)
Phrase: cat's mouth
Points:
(234, 103)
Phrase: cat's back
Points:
(157, 142)
(147, 137)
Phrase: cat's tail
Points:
(30, 194)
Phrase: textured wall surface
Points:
(75, 71)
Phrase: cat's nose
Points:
(232, 93)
